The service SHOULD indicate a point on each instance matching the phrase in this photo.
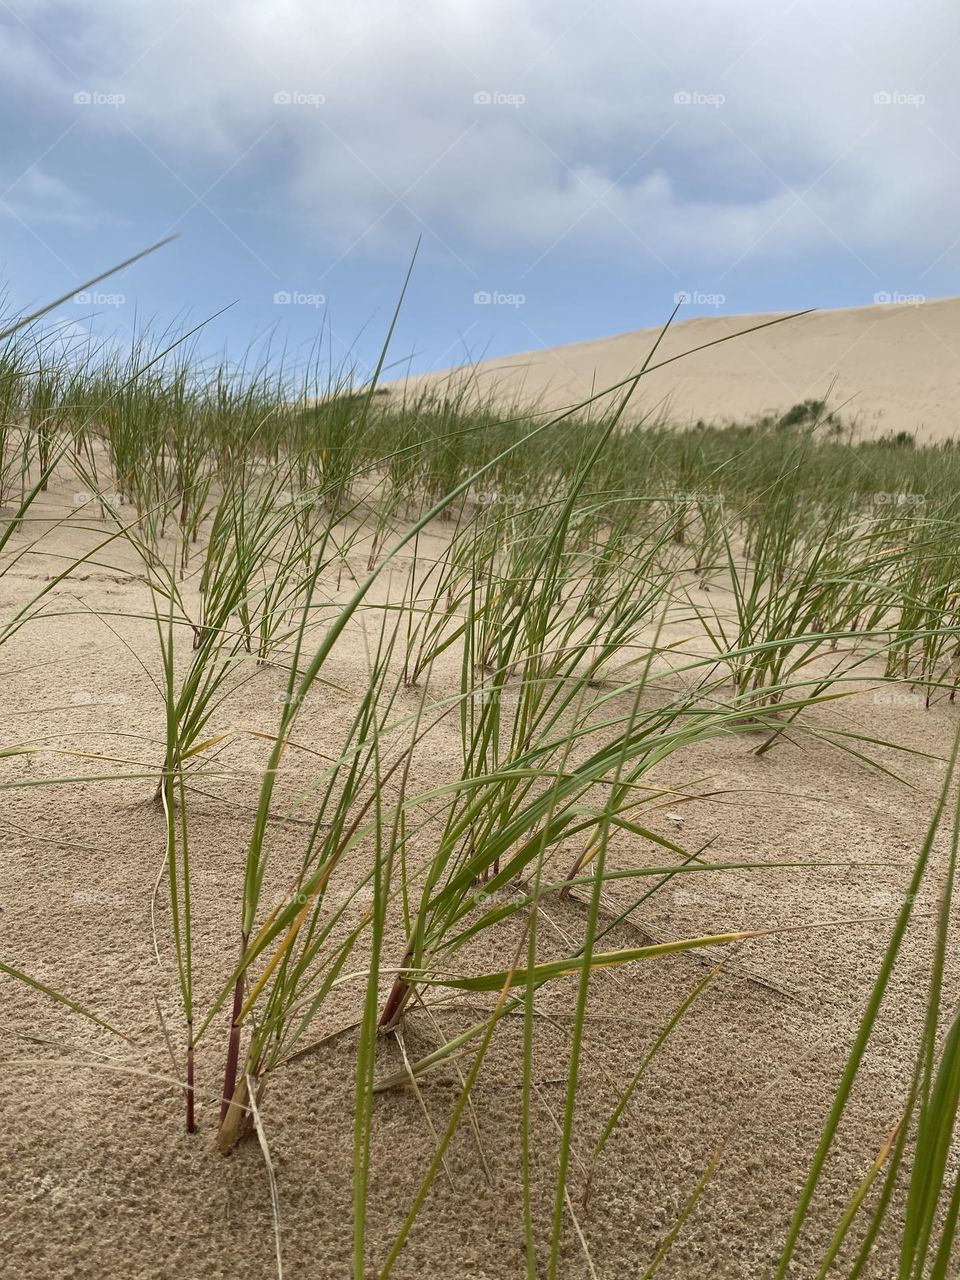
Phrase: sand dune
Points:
(889, 367)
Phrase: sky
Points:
(569, 169)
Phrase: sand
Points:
(97, 1177)
(886, 368)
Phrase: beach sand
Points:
(97, 1176)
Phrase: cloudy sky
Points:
(570, 167)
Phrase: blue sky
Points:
(569, 167)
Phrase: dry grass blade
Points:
(271, 1175)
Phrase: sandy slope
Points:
(891, 367)
(97, 1177)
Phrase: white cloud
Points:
(40, 196)
(783, 106)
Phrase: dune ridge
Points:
(886, 368)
